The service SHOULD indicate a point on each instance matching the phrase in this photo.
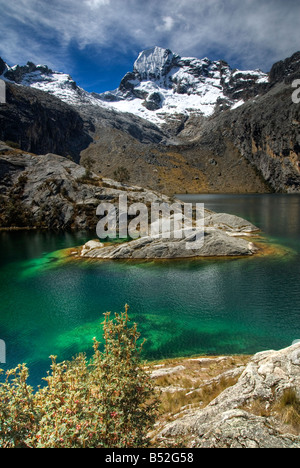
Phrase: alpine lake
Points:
(218, 306)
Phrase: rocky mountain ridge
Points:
(177, 124)
(160, 82)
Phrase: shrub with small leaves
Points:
(18, 416)
(106, 402)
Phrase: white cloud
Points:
(167, 24)
(96, 3)
(254, 33)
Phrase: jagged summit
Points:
(162, 84)
(153, 63)
(42, 77)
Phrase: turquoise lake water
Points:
(183, 308)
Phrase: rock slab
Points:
(224, 423)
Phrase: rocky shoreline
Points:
(53, 192)
(230, 401)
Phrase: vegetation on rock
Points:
(122, 175)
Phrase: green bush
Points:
(105, 402)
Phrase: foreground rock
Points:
(229, 421)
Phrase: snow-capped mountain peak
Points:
(161, 85)
(43, 78)
(153, 63)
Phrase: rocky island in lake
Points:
(223, 235)
(52, 192)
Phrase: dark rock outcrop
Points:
(19, 72)
(2, 66)
(265, 131)
(41, 123)
(286, 70)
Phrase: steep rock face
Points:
(286, 70)
(265, 131)
(40, 123)
(2, 66)
(154, 64)
(268, 136)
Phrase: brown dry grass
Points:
(194, 387)
(174, 403)
(284, 410)
(201, 382)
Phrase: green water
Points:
(183, 308)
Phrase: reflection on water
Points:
(182, 308)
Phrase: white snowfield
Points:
(178, 86)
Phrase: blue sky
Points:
(97, 41)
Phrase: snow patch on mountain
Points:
(162, 84)
(43, 78)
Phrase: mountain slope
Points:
(52, 192)
(177, 124)
(41, 123)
